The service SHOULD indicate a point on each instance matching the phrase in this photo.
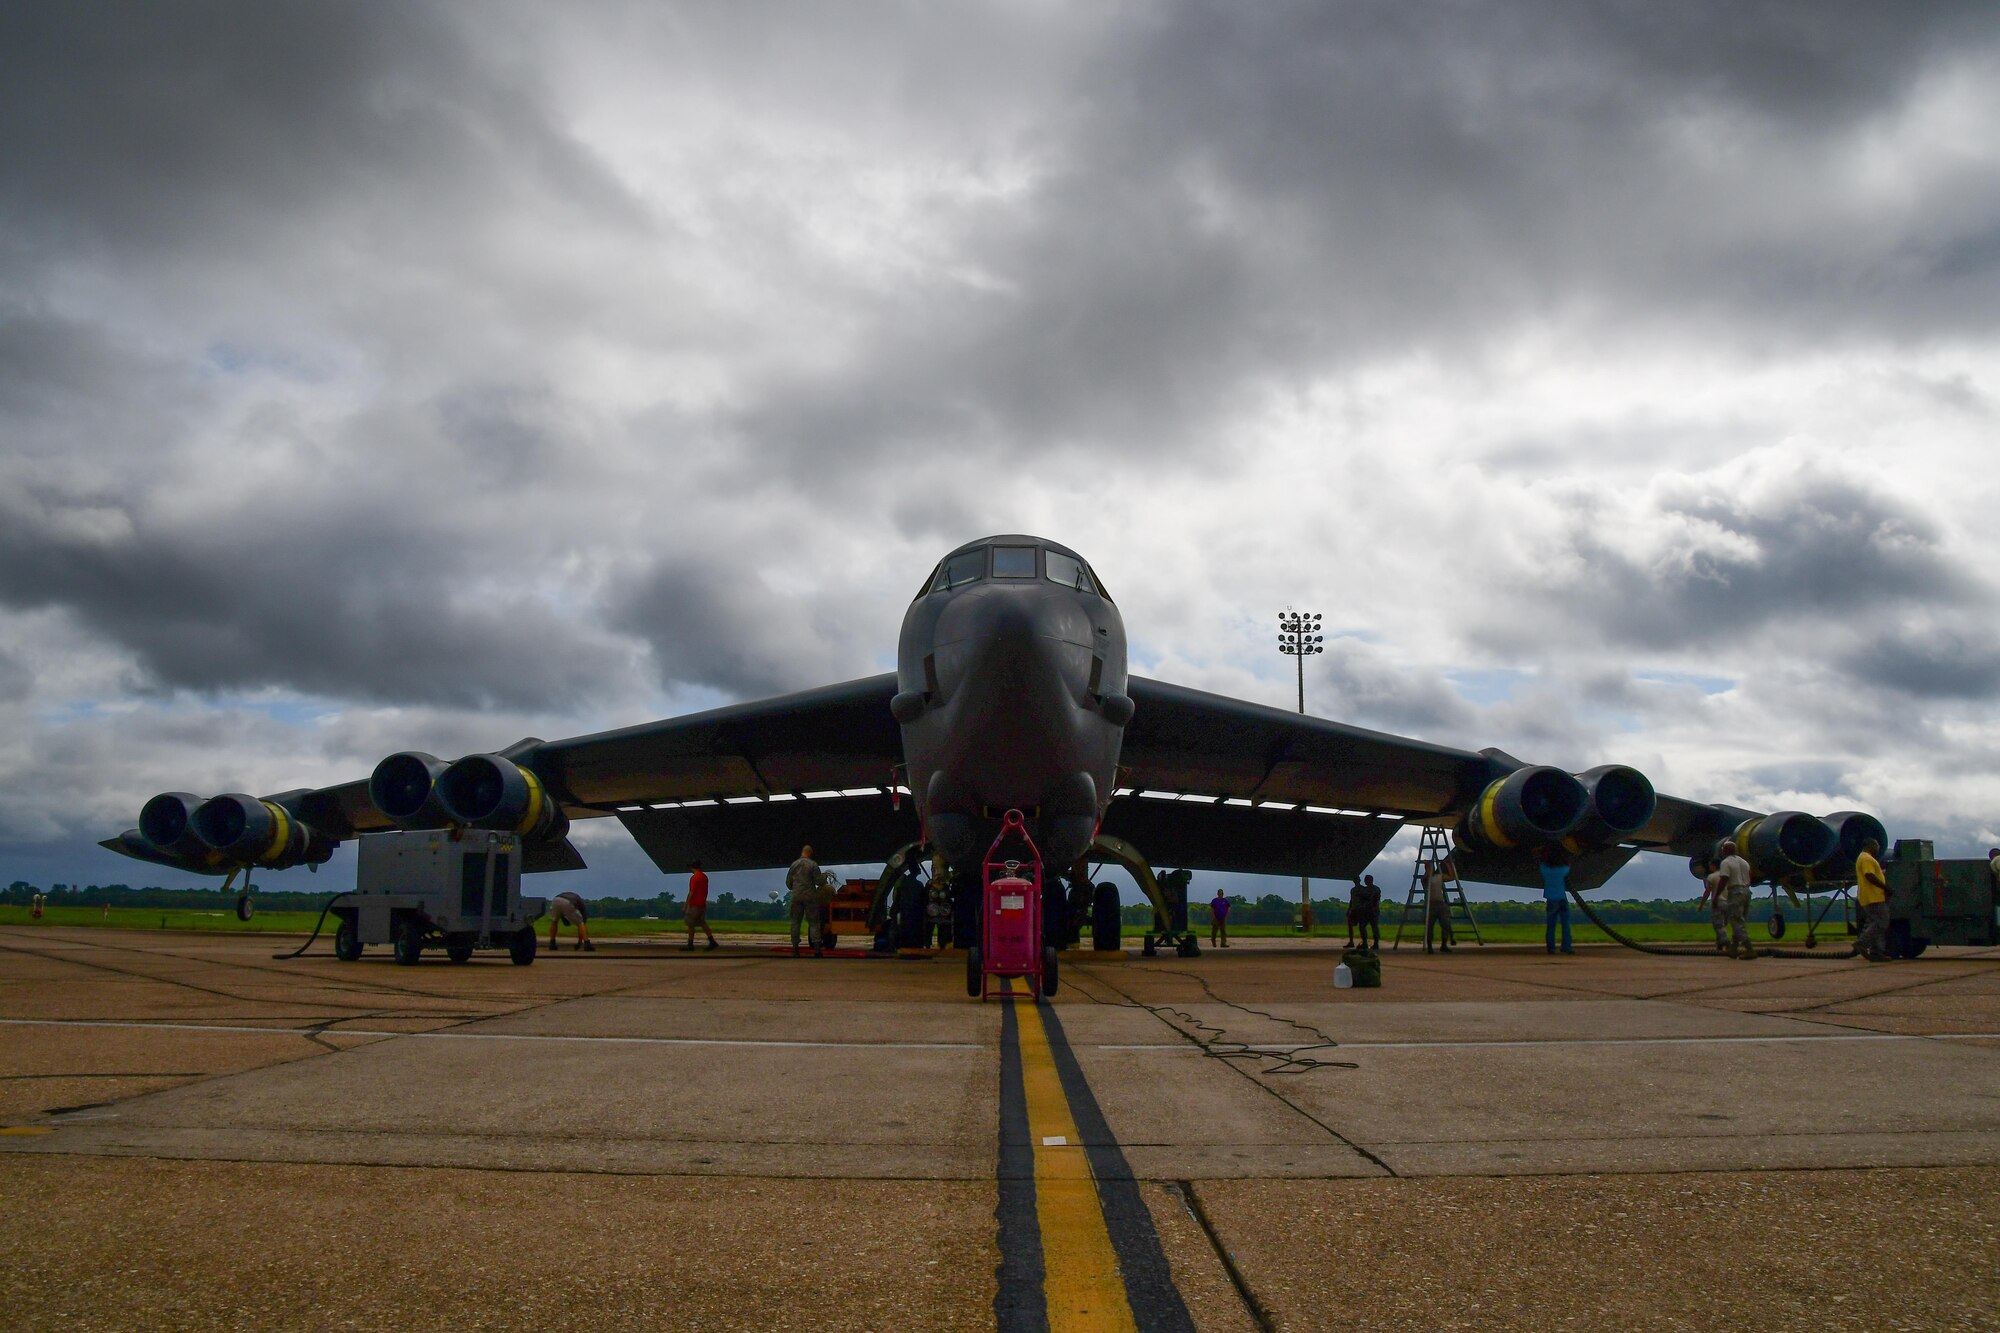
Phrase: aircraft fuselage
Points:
(1011, 695)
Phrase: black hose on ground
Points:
(281, 957)
(1696, 950)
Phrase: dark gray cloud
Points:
(1243, 199)
(1929, 662)
(1815, 551)
(717, 625)
(248, 130)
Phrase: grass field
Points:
(299, 923)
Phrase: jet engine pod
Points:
(1530, 807)
(166, 823)
(404, 788)
(248, 831)
(487, 791)
(1621, 803)
(1851, 828)
(1779, 844)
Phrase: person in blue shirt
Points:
(1555, 896)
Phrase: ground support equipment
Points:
(1010, 917)
(458, 890)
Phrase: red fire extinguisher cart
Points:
(1010, 918)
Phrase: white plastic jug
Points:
(1343, 977)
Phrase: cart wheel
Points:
(521, 946)
(1777, 926)
(346, 941)
(409, 942)
(245, 907)
(458, 953)
(1050, 964)
(972, 971)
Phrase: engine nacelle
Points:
(246, 831)
(403, 788)
(489, 792)
(1529, 808)
(1781, 844)
(1621, 802)
(1850, 828)
(167, 824)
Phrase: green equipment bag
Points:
(1366, 967)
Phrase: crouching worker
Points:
(567, 908)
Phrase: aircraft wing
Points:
(1216, 783)
(766, 755)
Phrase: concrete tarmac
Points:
(194, 1134)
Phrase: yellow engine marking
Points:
(1486, 818)
(1081, 1284)
(282, 836)
(534, 802)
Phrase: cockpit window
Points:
(965, 567)
(1067, 571)
(1098, 581)
(1013, 562)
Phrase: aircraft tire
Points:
(409, 938)
(346, 941)
(521, 946)
(246, 907)
(1777, 925)
(1051, 966)
(972, 977)
(1104, 923)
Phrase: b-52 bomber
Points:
(1011, 692)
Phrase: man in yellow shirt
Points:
(1871, 891)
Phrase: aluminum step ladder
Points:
(1435, 849)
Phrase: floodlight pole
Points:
(1299, 638)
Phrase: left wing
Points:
(1222, 784)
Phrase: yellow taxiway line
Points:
(1081, 1282)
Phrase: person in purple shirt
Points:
(1218, 920)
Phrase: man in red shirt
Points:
(697, 904)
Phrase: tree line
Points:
(1271, 909)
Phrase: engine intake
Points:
(1785, 842)
(167, 824)
(248, 831)
(1621, 802)
(1530, 807)
(1850, 828)
(489, 792)
(403, 788)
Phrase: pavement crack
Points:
(1255, 1082)
(1191, 1201)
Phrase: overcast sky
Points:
(1619, 380)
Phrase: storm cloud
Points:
(1619, 377)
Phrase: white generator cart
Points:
(438, 889)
